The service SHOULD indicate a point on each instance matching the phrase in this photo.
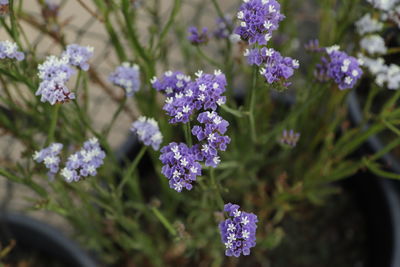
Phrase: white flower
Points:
(37, 155)
(202, 87)
(178, 186)
(231, 227)
(237, 213)
(186, 109)
(245, 220)
(184, 162)
(231, 237)
(374, 44)
(245, 234)
(199, 73)
(216, 160)
(368, 25)
(67, 174)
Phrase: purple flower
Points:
(10, 50)
(274, 67)
(211, 136)
(203, 93)
(85, 162)
(54, 68)
(289, 138)
(196, 37)
(127, 76)
(181, 165)
(259, 18)
(343, 69)
(50, 157)
(148, 132)
(3, 2)
(54, 91)
(223, 27)
(313, 46)
(238, 233)
(78, 55)
(171, 83)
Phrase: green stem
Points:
(252, 105)
(207, 58)
(232, 111)
(54, 118)
(129, 172)
(164, 221)
(215, 186)
(188, 133)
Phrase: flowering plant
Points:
(249, 112)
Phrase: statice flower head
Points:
(367, 24)
(148, 132)
(389, 75)
(196, 37)
(373, 44)
(78, 55)
(171, 83)
(181, 165)
(259, 18)
(343, 69)
(9, 50)
(274, 67)
(127, 76)
(55, 68)
(85, 162)
(385, 5)
(210, 134)
(223, 27)
(238, 233)
(50, 157)
(289, 138)
(54, 91)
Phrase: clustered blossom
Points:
(3, 2)
(367, 24)
(223, 27)
(171, 83)
(203, 93)
(78, 55)
(289, 138)
(196, 37)
(373, 44)
(85, 162)
(127, 76)
(238, 233)
(343, 69)
(274, 67)
(181, 165)
(259, 18)
(148, 132)
(211, 136)
(184, 98)
(384, 5)
(9, 50)
(55, 72)
(50, 157)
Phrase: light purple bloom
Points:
(224, 26)
(54, 68)
(289, 138)
(78, 55)
(343, 69)
(50, 157)
(9, 49)
(127, 76)
(85, 162)
(211, 136)
(54, 91)
(171, 83)
(148, 132)
(259, 18)
(196, 37)
(4, 2)
(181, 165)
(238, 233)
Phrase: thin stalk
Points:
(129, 173)
(54, 118)
(215, 186)
(207, 58)
(188, 133)
(164, 221)
(252, 106)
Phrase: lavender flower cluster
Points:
(127, 76)
(343, 69)
(50, 157)
(9, 50)
(80, 164)
(289, 138)
(55, 72)
(184, 98)
(259, 18)
(197, 37)
(238, 233)
(85, 162)
(148, 132)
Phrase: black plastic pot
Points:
(32, 235)
(386, 228)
